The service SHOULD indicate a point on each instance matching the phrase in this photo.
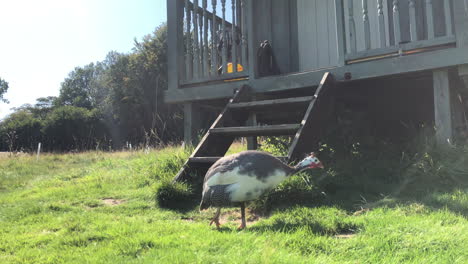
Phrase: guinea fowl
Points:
(245, 176)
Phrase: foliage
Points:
(105, 105)
(3, 90)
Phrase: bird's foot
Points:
(216, 222)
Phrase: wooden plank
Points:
(175, 14)
(228, 76)
(272, 103)
(212, 160)
(308, 135)
(270, 130)
(443, 116)
(381, 18)
(402, 47)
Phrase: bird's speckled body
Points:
(245, 176)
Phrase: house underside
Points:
(401, 62)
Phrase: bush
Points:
(174, 195)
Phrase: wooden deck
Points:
(368, 39)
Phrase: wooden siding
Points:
(273, 20)
(317, 36)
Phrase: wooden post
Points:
(382, 33)
(244, 35)
(352, 28)
(365, 20)
(252, 143)
(442, 106)
(191, 124)
(396, 22)
(188, 36)
(429, 19)
(413, 26)
(206, 66)
(234, 37)
(463, 73)
(196, 47)
(175, 14)
(224, 33)
(340, 31)
(38, 150)
(460, 16)
(214, 41)
(448, 18)
(252, 46)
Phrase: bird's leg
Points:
(242, 225)
(216, 218)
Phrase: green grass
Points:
(53, 211)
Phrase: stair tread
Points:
(214, 159)
(285, 129)
(274, 102)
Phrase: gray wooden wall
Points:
(317, 36)
(276, 21)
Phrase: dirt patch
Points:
(345, 235)
(235, 217)
(112, 201)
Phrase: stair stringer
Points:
(308, 135)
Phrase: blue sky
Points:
(43, 40)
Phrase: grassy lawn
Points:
(100, 208)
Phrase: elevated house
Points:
(400, 62)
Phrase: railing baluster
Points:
(352, 27)
(448, 18)
(223, 29)
(206, 67)
(202, 59)
(412, 17)
(396, 22)
(244, 34)
(196, 49)
(430, 20)
(381, 17)
(365, 19)
(188, 36)
(234, 37)
(214, 40)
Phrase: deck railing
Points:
(214, 37)
(376, 28)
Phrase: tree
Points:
(3, 90)
(79, 88)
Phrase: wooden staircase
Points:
(231, 124)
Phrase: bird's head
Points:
(310, 162)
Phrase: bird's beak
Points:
(320, 165)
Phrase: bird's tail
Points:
(205, 203)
